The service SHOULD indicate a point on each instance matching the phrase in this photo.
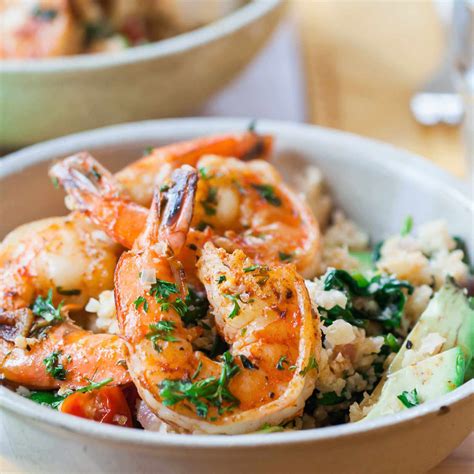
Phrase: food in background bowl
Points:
(213, 328)
(47, 28)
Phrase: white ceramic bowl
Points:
(47, 98)
(377, 185)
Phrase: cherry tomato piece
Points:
(105, 405)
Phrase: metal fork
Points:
(437, 101)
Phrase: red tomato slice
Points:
(105, 405)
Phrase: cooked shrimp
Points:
(38, 28)
(67, 254)
(240, 205)
(42, 263)
(76, 356)
(263, 313)
(140, 177)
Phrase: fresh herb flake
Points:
(409, 399)
(267, 192)
(54, 367)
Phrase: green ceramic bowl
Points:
(46, 98)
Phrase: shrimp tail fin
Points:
(85, 179)
(172, 210)
(95, 192)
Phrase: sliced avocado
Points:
(447, 314)
(364, 260)
(423, 381)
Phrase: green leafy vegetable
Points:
(391, 341)
(221, 279)
(376, 251)
(54, 367)
(267, 428)
(203, 393)
(330, 398)
(50, 399)
(409, 399)
(407, 226)
(385, 291)
(53, 400)
(267, 192)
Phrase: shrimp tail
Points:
(85, 179)
(94, 191)
(178, 207)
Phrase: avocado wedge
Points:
(420, 382)
(449, 315)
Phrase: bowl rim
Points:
(237, 19)
(377, 153)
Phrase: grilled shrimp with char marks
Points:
(238, 205)
(263, 313)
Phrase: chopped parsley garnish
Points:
(409, 399)
(281, 362)
(54, 367)
(312, 364)
(267, 192)
(247, 363)
(285, 257)
(203, 173)
(209, 204)
(236, 309)
(261, 271)
(148, 150)
(44, 308)
(203, 393)
(221, 279)
(44, 14)
(379, 299)
(407, 226)
(161, 331)
(71, 292)
(141, 301)
(252, 268)
(391, 341)
(96, 175)
(196, 307)
(197, 371)
(162, 290)
(201, 225)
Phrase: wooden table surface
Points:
(363, 60)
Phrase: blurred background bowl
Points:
(46, 98)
